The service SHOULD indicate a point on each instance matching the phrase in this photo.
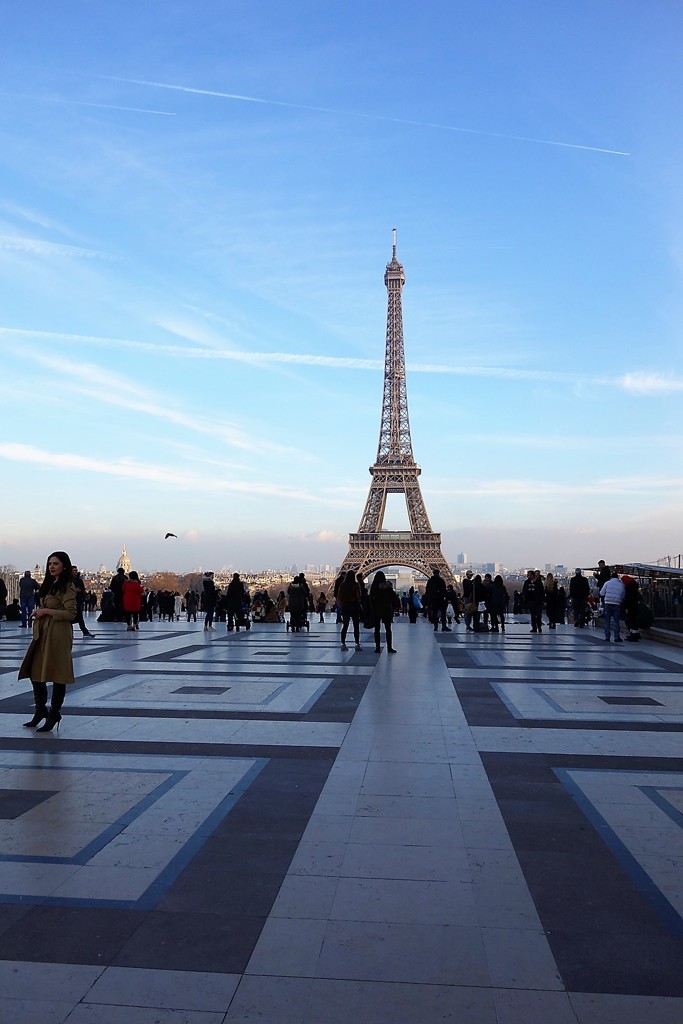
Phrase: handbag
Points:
(481, 607)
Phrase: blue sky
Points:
(195, 215)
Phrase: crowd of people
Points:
(483, 603)
(52, 607)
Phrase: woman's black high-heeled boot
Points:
(53, 716)
(41, 713)
(40, 701)
(53, 719)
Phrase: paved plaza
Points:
(258, 826)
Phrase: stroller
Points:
(297, 602)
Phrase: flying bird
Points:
(171, 535)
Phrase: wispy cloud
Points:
(38, 247)
(174, 477)
(643, 383)
(349, 113)
(198, 334)
(554, 442)
(516, 489)
(85, 103)
(22, 213)
(635, 383)
(116, 390)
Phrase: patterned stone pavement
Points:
(258, 826)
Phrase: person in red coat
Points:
(132, 594)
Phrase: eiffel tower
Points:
(395, 470)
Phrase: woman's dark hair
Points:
(132, 575)
(499, 582)
(54, 586)
(349, 587)
(379, 581)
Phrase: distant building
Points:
(461, 559)
(124, 561)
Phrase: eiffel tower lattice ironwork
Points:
(395, 470)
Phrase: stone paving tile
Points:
(180, 990)
(337, 1002)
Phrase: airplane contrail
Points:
(351, 113)
(84, 103)
(633, 382)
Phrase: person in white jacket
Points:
(613, 593)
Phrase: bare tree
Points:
(190, 581)
(163, 581)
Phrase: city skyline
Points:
(192, 247)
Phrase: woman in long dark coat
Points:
(48, 658)
(349, 598)
(413, 608)
(552, 601)
(383, 602)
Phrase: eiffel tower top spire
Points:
(395, 446)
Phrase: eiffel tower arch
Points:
(395, 470)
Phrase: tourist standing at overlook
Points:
(468, 599)
(309, 597)
(561, 605)
(191, 604)
(28, 590)
(533, 593)
(209, 596)
(414, 605)
(337, 584)
(234, 602)
(603, 574)
(453, 600)
(384, 602)
(364, 597)
(48, 657)
(552, 601)
(479, 596)
(487, 584)
(131, 596)
(297, 604)
(349, 601)
(613, 593)
(579, 590)
(631, 608)
(116, 587)
(436, 600)
(499, 600)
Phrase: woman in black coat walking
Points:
(383, 602)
